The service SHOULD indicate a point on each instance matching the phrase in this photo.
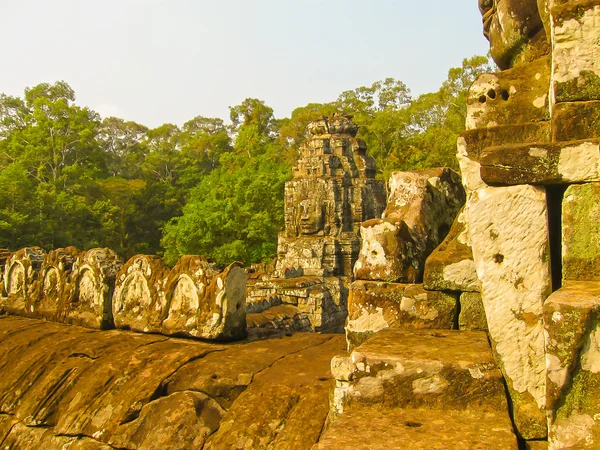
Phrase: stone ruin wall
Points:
(523, 255)
(95, 289)
(530, 160)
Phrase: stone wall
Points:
(530, 162)
(95, 289)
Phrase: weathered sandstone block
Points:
(572, 121)
(373, 306)
(542, 163)
(20, 273)
(368, 428)
(321, 300)
(194, 415)
(94, 274)
(287, 318)
(510, 96)
(421, 208)
(472, 313)
(571, 317)
(54, 285)
(581, 232)
(205, 303)
(139, 302)
(516, 30)
(509, 236)
(450, 267)
(575, 39)
(444, 369)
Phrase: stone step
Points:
(419, 389)
(447, 369)
(367, 428)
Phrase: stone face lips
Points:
(419, 214)
(542, 163)
(139, 302)
(509, 236)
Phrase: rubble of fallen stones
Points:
(95, 289)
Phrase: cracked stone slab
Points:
(91, 389)
(286, 405)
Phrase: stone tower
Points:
(333, 191)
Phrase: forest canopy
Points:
(69, 177)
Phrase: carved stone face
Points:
(509, 25)
(311, 219)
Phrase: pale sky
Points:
(159, 61)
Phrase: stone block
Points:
(509, 235)
(472, 313)
(441, 369)
(93, 278)
(509, 97)
(368, 428)
(450, 267)
(287, 318)
(139, 301)
(581, 232)
(575, 37)
(373, 306)
(572, 121)
(571, 316)
(472, 143)
(421, 208)
(54, 284)
(21, 272)
(542, 163)
(205, 303)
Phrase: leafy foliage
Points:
(69, 178)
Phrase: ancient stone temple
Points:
(523, 256)
(333, 191)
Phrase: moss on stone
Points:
(583, 88)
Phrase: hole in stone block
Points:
(411, 424)
(491, 94)
(482, 99)
(504, 94)
(498, 258)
